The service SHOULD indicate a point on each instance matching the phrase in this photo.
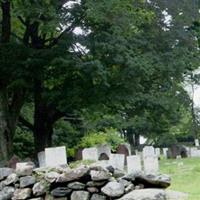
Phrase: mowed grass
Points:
(185, 174)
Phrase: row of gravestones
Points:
(148, 162)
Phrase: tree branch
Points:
(26, 123)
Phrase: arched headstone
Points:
(103, 156)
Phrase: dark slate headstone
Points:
(78, 155)
(103, 156)
(13, 161)
(177, 150)
(122, 149)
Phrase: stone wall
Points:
(82, 183)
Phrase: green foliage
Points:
(80, 162)
(110, 136)
(23, 143)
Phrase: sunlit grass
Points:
(185, 174)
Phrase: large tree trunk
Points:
(43, 131)
(7, 128)
(130, 139)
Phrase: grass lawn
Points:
(185, 174)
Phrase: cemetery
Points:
(99, 99)
(114, 176)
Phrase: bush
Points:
(110, 136)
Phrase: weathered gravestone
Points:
(52, 157)
(165, 152)
(157, 152)
(79, 154)
(194, 152)
(41, 159)
(55, 156)
(125, 150)
(104, 152)
(196, 142)
(13, 161)
(177, 150)
(90, 154)
(151, 164)
(134, 164)
(117, 161)
(148, 151)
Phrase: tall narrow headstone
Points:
(165, 152)
(41, 159)
(90, 154)
(148, 151)
(196, 142)
(117, 161)
(55, 156)
(104, 152)
(151, 165)
(134, 164)
(157, 151)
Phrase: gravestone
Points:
(125, 150)
(157, 151)
(194, 152)
(90, 154)
(41, 159)
(104, 152)
(165, 152)
(55, 156)
(177, 150)
(13, 161)
(196, 142)
(79, 153)
(151, 165)
(117, 161)
(148, 151)
(134, 164)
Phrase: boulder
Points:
(118, 173)
(173, 195)
(7, 193)
(129, 188)
(24, 169)
(95, 184)
(92, 189)
(61, 191)
(80, 195)
(5, 172)
(73, 174)
(99, 175)
(20, 194)
(98, 197)
(76, 186)
(153, 181)
(11, 179)
(113, 189)
(144, 194)
(27, 181)
(51, 176)
(39, 189)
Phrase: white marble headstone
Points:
(151, 165)
(148, 151)
(157, 151)
(41, 159)
(196, 142)
(55, 156)
(90, 154)
(134, 164)
(106, 149)
(194, 152)
(165, 152)
(117, 161)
